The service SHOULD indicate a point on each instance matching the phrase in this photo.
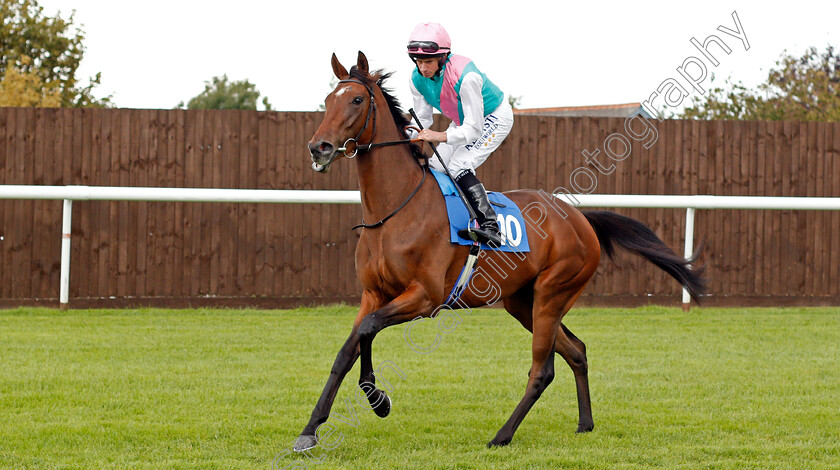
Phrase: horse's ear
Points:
(338, 69)
(362, 63)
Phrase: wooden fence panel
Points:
(253, 251)
(6, 220)
(832, 175)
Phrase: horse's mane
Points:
(378, 78)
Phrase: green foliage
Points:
(47, 51)
(805, 88)
(713, 388)
(220, 93)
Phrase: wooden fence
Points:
(159, 253)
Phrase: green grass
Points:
(713, 388)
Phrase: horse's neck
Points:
(387, 176)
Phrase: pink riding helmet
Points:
(429, 39)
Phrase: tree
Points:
(42, 53)
(805, 88)
(220, 93)
(27, 89)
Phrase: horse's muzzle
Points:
(323, 154)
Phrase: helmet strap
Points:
(441, 63)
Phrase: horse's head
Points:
(349, 118)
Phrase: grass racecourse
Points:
(153, 389)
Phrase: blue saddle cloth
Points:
(511, 223)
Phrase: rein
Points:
(382, 222)
(371, 145)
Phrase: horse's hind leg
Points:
(540, 376)
(567, 345)
(548, 309)
(574, 352)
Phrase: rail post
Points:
(66, 224)
(689, 249)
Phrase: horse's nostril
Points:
(321, 148)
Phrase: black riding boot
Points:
(488, 231)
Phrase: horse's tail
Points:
(638, 238)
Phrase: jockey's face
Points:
(428, 67)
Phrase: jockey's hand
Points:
(429, 135)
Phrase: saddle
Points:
(509, 217)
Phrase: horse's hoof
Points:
(383, 406)
(497, 442)
(304, 443)
(585, 428)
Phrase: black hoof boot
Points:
(380, 402)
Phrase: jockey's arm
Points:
(423, 110)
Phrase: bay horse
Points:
(408, 265)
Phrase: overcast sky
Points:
(154, 53)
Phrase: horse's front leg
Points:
(343, 363)
(407, 306)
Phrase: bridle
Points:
(371, 145)
(371, 112)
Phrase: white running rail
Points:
(107, 193)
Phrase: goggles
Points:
(429, 47)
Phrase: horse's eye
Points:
(357, 100)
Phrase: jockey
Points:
(481, 117)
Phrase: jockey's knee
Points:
(458, 169)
